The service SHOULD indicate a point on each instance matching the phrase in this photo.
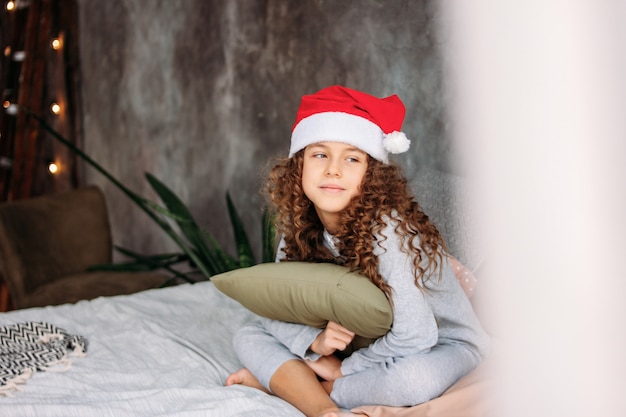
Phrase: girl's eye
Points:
(319, 155)
(352, 159)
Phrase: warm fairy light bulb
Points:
(5, 162)
(19, 56)
(7, 51)
(10, 5)
(56, 44)
(53, 168)
(10, 107)
(55, 108)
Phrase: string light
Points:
(56, 44)
(18, 4)
(55, 108)
(5, 162)
(7, 51)
(53, 168)
(10, 107)
(19, 56)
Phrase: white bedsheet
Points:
(162, 352)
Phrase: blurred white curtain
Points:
(540, 122)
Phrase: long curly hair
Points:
(384, 194)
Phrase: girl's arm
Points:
(414, 327)
(298, 338)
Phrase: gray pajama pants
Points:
(401, 381)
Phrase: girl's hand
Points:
(326, 367)
(333, 337)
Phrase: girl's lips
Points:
(331, 187)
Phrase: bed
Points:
(167, 352)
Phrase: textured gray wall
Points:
(202, 93)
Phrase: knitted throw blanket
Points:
(34, 346)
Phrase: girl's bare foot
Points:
(245, 377)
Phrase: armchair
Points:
(47, 243)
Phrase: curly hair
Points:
(384, 194)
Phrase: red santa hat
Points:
(340, 114)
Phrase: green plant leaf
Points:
(245, 254)
(165, 212)
(162, 261)
(209, 256)
(141, 262)
(171, 200)
(268, 236)
(165, 258)
(132, 266)
(185, 221)
(226, 262)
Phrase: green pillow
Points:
(310, 293)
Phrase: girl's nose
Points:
(333, 170)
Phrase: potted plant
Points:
(198, 247)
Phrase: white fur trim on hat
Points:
(339, 127)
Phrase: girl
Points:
(338, 200)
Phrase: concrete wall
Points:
(202, 93)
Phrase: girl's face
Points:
(332, 174)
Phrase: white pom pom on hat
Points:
(396, 142)
(340, 114)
